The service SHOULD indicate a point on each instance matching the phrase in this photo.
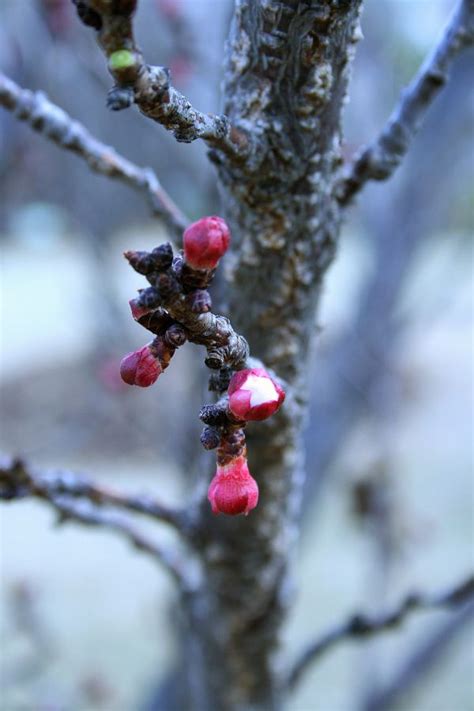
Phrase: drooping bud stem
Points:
(254, 395)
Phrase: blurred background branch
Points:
(51, 121)
(18, 481)
(419, 662)
(61, 491)
(361, 625)
(380, 159)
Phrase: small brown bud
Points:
(149, 298)
(167, 284)
(199, 301)
(213, 415)
(119, 98)
(162, 256)
(87, 15)
(210, 438)
(175, 336)
(142, 262)
(215, 358)
(157, 321)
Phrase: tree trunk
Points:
(285, 84)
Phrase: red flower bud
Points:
(253, 395)
(140, 367)
(233, 490)
(205, 242)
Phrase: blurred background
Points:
(389, 442)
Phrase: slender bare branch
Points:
(148, 86)
(86, 513)
(363, 625)
(379, 160)
(55, 124)
(17, 481)
(420, 662)
(62, 491)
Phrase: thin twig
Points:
(149, 86)
(418, 663)
(380, 159)
(89, 515)
(54, 123)
(362, 625)
(18, 481)
(62, 490)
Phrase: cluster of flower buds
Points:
(178, 289)
(252, 395)
(209, 237)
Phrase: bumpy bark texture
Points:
(285, 82)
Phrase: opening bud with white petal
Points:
(254, 395)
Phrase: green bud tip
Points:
(121, 59)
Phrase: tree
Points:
(285, 192)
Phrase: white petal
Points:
(262, 390)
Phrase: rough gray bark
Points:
(285, 85)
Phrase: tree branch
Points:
(362, 625)
(89, 515)
(420, 662)
(380, 159)
(149, 86)
(62, 489)
(18, 481)
(55, 124)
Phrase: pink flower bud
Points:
(140, 367)
(233, 490)
(253, 395)
(205, 242)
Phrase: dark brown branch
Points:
(361, 626)
(380, 159)
(149, 87)
(55, 124)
